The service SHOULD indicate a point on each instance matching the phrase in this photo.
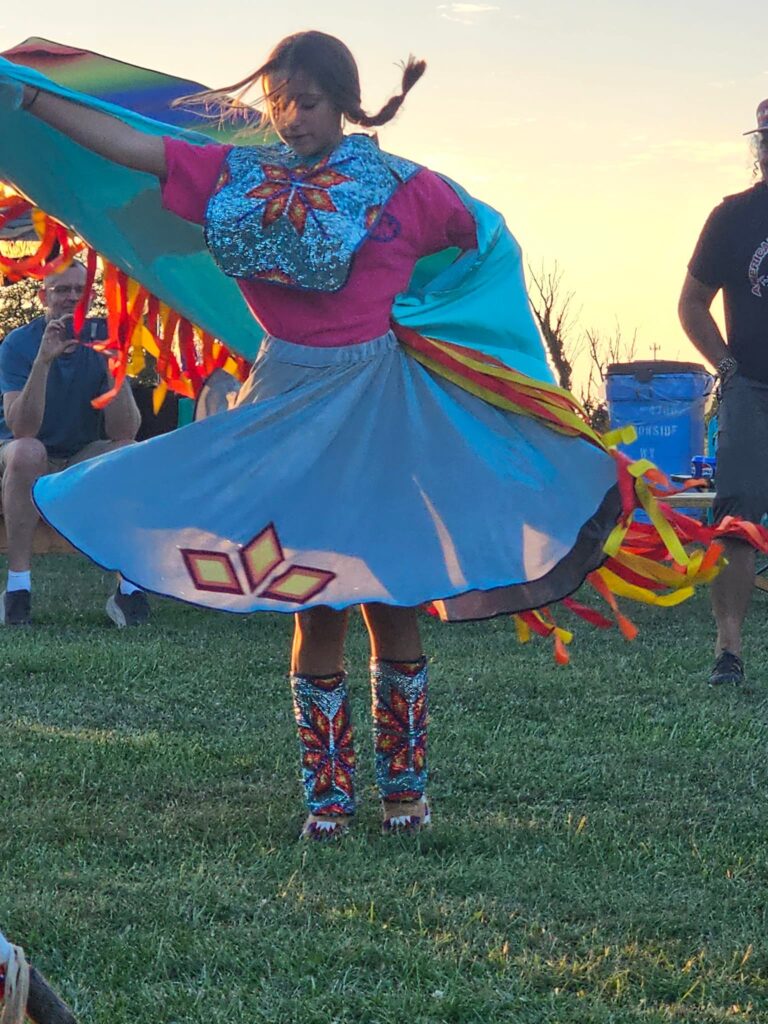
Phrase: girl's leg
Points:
(400, 714)
(321, 707)
(318, 641)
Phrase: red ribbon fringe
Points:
(185, 355)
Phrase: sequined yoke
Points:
(274, 218)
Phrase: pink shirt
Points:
(425, 216)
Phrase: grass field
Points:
(599, 851)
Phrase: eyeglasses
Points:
(66, 289)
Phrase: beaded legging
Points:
(399, 698)
(321, 707)
(400, 710)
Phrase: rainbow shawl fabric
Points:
(465, 322)
(119, 214)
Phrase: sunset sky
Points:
(604, 131)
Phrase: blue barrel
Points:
(665, 402)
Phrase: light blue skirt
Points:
(343, 476)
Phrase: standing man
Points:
(47, 380)
(732, 256)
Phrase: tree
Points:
(603, 350)
(552, 309)
(18, 305)
(567, 342)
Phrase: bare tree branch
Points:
(552, 307)
(602, 351)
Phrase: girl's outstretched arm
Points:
(97, 131)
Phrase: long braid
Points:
(412, 72)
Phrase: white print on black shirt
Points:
(758, 282)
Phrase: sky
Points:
(605, 132)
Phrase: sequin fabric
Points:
(274, 218)
(321, 707)
(400, 711)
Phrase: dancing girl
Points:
(359, 464)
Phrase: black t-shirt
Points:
(732, 254)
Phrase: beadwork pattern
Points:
(275, 218)
(400, 717)
(321, 707)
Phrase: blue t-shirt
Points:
(70, 422)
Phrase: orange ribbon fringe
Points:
(646, 562)
(138, 322)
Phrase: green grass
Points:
(599, 850)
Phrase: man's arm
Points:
(697, 320)
(24, 410)
(122, 418)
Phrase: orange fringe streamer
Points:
(646, 562)
(138, 322)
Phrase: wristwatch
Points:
(727, 367)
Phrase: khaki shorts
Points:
(56, 464)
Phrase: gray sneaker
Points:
(128, 609)
(16, 608)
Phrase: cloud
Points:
(470, 8)
(465, 14)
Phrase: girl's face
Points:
(302, 114)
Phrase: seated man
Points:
(47, 381)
